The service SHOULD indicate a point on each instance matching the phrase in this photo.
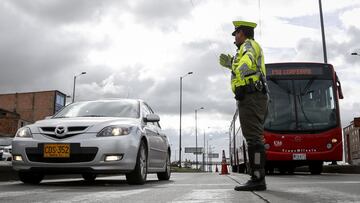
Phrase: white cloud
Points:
(350, 18)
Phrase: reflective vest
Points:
(247, 63)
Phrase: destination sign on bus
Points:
(295, 71)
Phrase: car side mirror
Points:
(151, 118)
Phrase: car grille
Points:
(77, 154)
(71, 131)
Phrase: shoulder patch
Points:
(248, 47)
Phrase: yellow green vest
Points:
(247, 63)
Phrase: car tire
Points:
(89, 177)
(139, 174)
(31, 178)
(167, 173)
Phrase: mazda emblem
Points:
(60, 131)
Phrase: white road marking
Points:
(26, 192)
(207, 195)
(194, 184)
(105, 196)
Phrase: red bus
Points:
(302, 127)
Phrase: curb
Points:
(347, 169)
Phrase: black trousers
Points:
(252, 112)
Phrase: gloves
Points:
(225, 60)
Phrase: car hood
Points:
(92, 124)
(5, 141)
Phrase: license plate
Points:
(299, 156)
(56, 150)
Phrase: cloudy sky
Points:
(140, 48)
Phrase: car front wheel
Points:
(165, 175)
(139, 174)
(31, 178)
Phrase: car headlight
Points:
(23, 132)
(114, 131)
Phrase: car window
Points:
(149, 108)
(145, 111)
(116, 108)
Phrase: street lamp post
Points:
(323, 32)
(203, 165)
(196, 143)
(181, 78)
(208, 152)
(204, 151)
(73, 96)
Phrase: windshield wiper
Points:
(94, 115)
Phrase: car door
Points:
(158, 151)
(151, 134)
(163, 145)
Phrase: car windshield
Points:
(301, 105)
(116, 108)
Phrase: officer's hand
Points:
(225, 60)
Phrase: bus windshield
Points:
(301, 105)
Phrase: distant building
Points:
(352, 142)
(20, 109)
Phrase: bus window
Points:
(300, 105)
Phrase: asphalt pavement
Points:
(188, 187)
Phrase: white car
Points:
(5, 149)
(94, 137)
(5, 153)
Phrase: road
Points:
(188, 187)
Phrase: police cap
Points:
(243, 24)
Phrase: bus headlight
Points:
(267, 146)
(328, 146)
(334, 140)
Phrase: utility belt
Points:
(252, 87)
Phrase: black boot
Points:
(252, 185)
(257, 169)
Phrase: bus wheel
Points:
(242, 168)
(316, 168)
(234, 168)
(291, 170)
(270, 170)
(282, 170)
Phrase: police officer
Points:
(248, 82)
